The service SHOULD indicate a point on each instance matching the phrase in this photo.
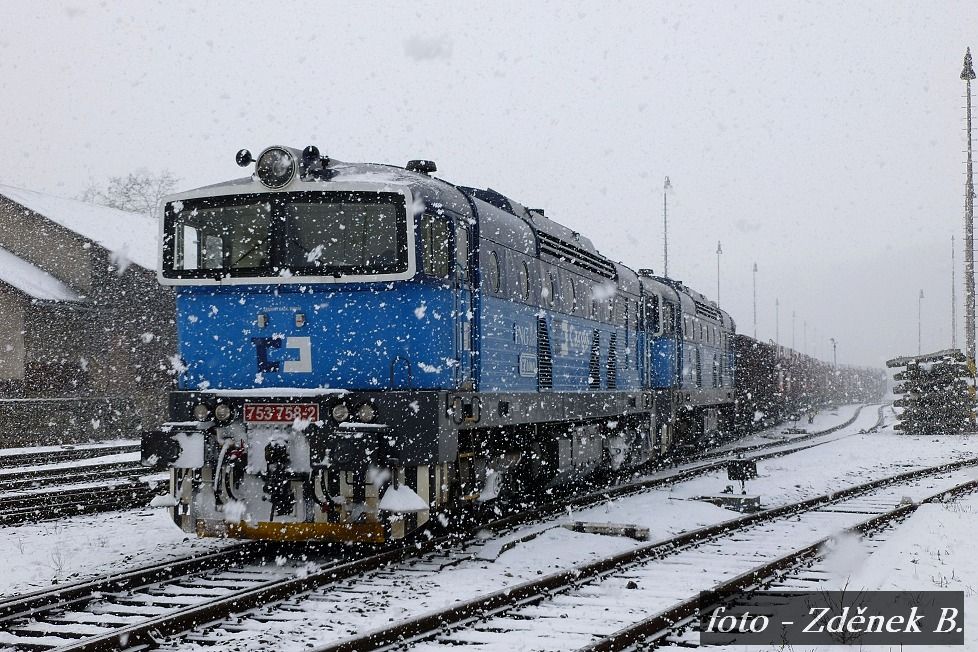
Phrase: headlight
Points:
(202, 412)
(222, 412)
(366, 413)
(340, 412)
(276, 167)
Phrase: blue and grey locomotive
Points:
(363, 346)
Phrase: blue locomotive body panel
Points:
(510, 333)
(358, 336)
(664, 362)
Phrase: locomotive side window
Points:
(523, 280)
(652, 316)
(549, 291)
(668, 319)
(462, 256)
(493, 273)
(628, 338)
(699, 366)
(571, 300)
(435, 245)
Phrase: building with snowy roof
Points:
(86, 329)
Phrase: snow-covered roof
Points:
(31, 280)
(130, 236)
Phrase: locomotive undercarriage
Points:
(378, 482)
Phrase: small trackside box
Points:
(741, 470)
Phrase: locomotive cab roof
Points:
(501, 218)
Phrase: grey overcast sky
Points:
(823, 140)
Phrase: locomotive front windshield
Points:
(303, 234)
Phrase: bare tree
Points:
(138, 191)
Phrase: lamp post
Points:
(666, 187)
(835, 362)
(777, 322)
(755, 301)
(719, 251)
(920, 301)
(793, 330)
(967, 74)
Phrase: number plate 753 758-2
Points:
(280, 412)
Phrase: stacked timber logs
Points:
(937, 393)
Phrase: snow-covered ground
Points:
(40, 554)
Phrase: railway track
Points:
(40, 478)
(68, 501)
(145, 605)
(633, 598)
(70, 454)
(38, 493)
(800, 438)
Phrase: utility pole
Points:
(665, 226)
(777, 322)
(719, 251)
(804, 329)
(920, 301)
(835, 362)
(954, 302)
(755, 301)
(967, 74)
(793, 331)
